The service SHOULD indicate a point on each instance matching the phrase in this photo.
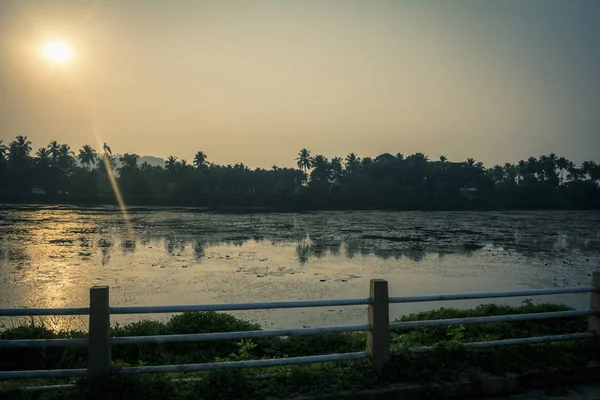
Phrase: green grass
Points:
(448, 360)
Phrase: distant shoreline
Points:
(273, 205)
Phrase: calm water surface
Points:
(51, 256)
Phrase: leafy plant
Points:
(448, 359)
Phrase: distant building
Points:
(38, 190)
(468, 193)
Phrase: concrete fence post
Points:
(378, 337)
(594, 319)
(99, 339)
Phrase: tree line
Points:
(386, 181)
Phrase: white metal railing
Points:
(201, 337)
(510, 342)
(239, 306)
(492, 295)
(38, 312)
(243, 364)
(99, 341)
(42, 343)
(486, 320)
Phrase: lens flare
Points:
(117, 192)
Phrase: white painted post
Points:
(99, 339)
(378, 337)
(594, 319)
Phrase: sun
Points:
(58, 52)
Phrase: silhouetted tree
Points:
(19, 150)
(54, 149)
(43, 158)
(87, 156)
(384, 181)
(200, 160)
(66, 158)
(3, 150)
(352, 164)
(562, 164)
(305, 161)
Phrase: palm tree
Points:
(443, 158)
(3, 150)
(562, 164)
(54, 149)
(19, 149)
(66, 157)
(305, 161)
(321, 161)
(546, 167)
(552, 159)
(420, 157)
(352, 163)
(128, 172)
(385, 158)
(575, 173)
(321, 175)
(532, 165)
(521, 169)
(322, 169)
(87, 156)
(497, 174)
(171, 164)
(595, 173)
(43, 157)
(129, 163)
(24, 144)
(511, 172)
(471, 162)
(336, 173)
(200, 160)
(588, 168)
(109, 161)
(367, 162)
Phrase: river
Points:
(51, 256)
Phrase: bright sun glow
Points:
(58, 52)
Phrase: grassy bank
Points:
(448, 360)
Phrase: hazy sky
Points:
(256, 81)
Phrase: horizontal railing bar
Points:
(199, 337)
(532, 340)
(511, 342)
(493, 318)
(22, 343)
(275, 362)
(34, 312)
(49, 387)
(52, 373)
(240, 364)
(492, 295)
(263, 376)
(13, 312)
(237, 306)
